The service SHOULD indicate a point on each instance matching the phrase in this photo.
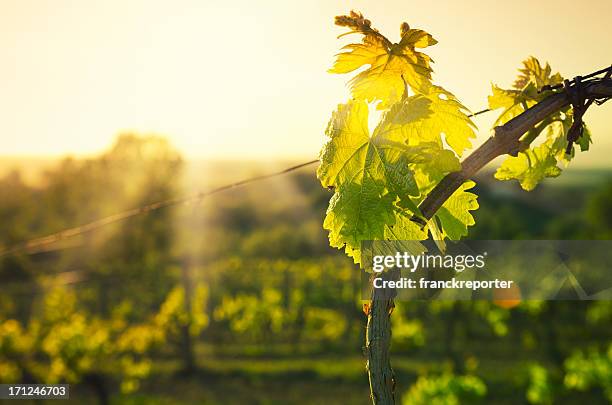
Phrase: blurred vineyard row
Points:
(240, 291)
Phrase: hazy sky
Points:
(247, 78)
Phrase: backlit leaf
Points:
(370, 176)
(529, 167)
(389, 66)
(379, 178)
(435, 116)
(540, 161)
(526, 92)
(454, 215)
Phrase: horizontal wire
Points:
(590, 75)
(479, 112)
(91, 226)
(81, 229)
(35, 245)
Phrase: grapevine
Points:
(404, 180)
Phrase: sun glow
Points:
(248, 79)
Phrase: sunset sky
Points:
(247, 79)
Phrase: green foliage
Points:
(327, 324)
(454, 215)
(600, 312)
(446, 389)
(253, 314)
(535, 163)
(14, 343)
(287, 292)
(176, 313)
(276, 300)
(539, 390)
(252, 242)
(529, 167)
(589, 370)
(598, 213)
(493, 315)
(407, 331)
(66, 344)
(526, 90)
(379, 178)
(389, 65)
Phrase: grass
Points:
(303, 380)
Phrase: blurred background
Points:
(237, 298)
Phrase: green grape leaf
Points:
(435, 116)
(404, 228)
(433, 167)
(373, 176)
(378, 178)
(454, 215)
(535, 163)
(369, 175)
(585, 140)
(357, 213)
(437, 235)
(376, 162)
(530, 167)
(526, 93)
(403, 235)
(390, 66)
(558, 133)
(513, 102)
(533, 72)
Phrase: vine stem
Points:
(378, 342)
(506, 140)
